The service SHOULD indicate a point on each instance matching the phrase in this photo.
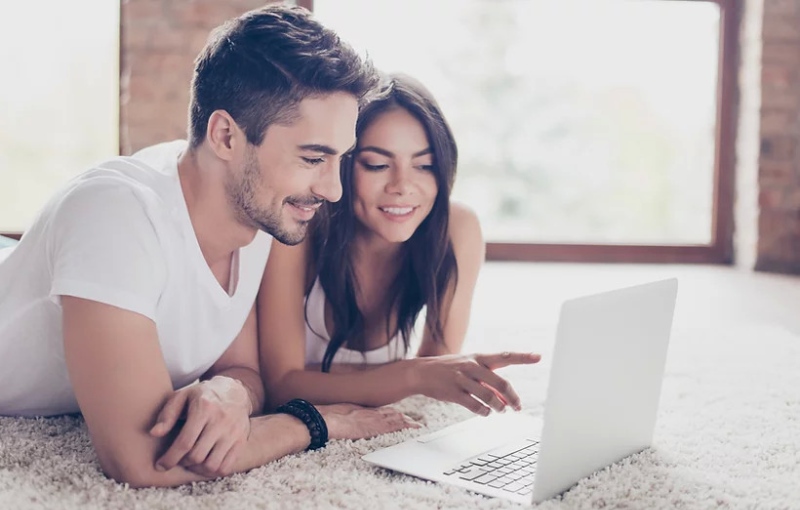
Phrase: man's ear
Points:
(224, 136)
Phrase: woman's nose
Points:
(399, 181)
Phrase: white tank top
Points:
(317, 337)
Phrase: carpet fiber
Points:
(727, 436)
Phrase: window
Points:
(586, 130)
(59, 98)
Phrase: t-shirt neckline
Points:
(222, 294)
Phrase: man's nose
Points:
(329, 183)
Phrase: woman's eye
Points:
(314, 161)
(373, 168)
(427, 168)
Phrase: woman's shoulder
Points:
(460, 211)
(463, 221)
(465, 230)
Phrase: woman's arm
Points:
(470, 252)
(281, 324)
(452, 378)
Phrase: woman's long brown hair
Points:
(428, 266)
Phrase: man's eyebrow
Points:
(315, 147)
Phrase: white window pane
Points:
(59, 98)
(577, 121)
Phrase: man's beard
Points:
(242, 195)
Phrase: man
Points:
(140, 276)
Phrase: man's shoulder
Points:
(106, 190)
(149, 176)
(151, 165)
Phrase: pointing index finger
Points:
(504, 359)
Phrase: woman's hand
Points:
(469, 380)
(217, 424)
(350, 421)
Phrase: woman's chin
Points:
(399, 238)
(391, 236)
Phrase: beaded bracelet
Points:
(308, 414)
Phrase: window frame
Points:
(720, 249)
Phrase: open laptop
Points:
(602, 400)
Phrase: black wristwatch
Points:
(305, 411)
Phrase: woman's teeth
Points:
(398, 211)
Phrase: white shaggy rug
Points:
(727, 436)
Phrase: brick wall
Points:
(160, 39)
(779, 163)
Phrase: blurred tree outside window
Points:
(577, 121)
(59, 98)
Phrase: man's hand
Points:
(217, 424)
(469, 380)
(350, 421)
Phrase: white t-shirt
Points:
(119, 234)
(317, 338)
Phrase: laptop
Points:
(602, 399)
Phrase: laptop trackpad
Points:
(481, 434)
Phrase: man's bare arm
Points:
(240, 362)
(120, 380)
(217, 410)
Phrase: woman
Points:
(391, 247)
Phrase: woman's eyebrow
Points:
(377, 150)
(389, 154)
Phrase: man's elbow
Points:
(135, 475)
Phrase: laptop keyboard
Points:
(509, 468)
